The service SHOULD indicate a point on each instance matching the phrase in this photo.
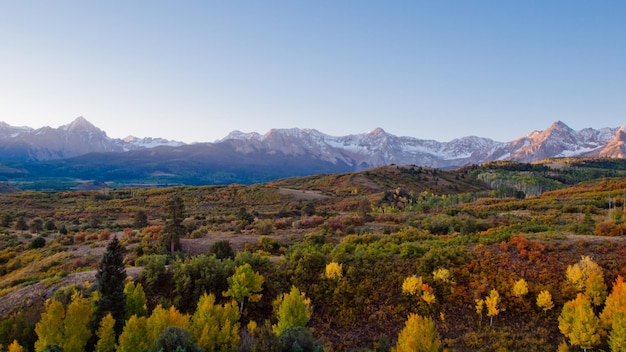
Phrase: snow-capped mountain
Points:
(76, 138)
(377, 147)
(356, 151)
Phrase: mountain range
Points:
(81, 150)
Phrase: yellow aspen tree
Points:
(76, 330)
(49, 329)
(544, 300)
(615, 303)
(106, 335)
(135, 300)
(15, 347)
(491, 302)
(162, 318)
(595, 288)
(412, 286)
(480, 306)
(418, 335)
(579, 273)
(215, 327)
(617, 336)
(334, 271)
(579, 324)
(443, 275)
(245, 284)
(134, 337)
(294, 310)
(520, 288)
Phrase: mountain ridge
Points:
(81, 151)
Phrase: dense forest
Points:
(496, 257)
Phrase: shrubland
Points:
(385, 259)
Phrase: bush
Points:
(38, 242)
(222, 250)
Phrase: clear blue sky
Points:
(196, 70)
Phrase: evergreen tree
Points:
(174, 228)
(111, 276)
(175, 339)
(141, 219)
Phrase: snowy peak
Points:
(80, 124)
(79, 137)
(378, 147)
(358, 151)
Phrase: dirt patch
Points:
(302, 194)
(37, 294)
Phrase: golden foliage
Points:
(334, 271)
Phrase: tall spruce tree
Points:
(174, 228)
(111, 278)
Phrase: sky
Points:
(194, 71)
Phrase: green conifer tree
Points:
(111, 277)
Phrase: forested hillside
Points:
(385, 259)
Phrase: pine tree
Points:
(111, 276)
(419, 334)
(174, 228)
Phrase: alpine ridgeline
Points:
(355, 152)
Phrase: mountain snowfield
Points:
(357, 151)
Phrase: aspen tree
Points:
(544, 300)
(579, 324)
(418, 335)
(15, 347)
(245, 284)
(615, 303)
(215, 327)
(491, 302)
(49, 329)
(106, 335)
(294, 310)
(520, 288)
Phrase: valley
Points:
(485, 226)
